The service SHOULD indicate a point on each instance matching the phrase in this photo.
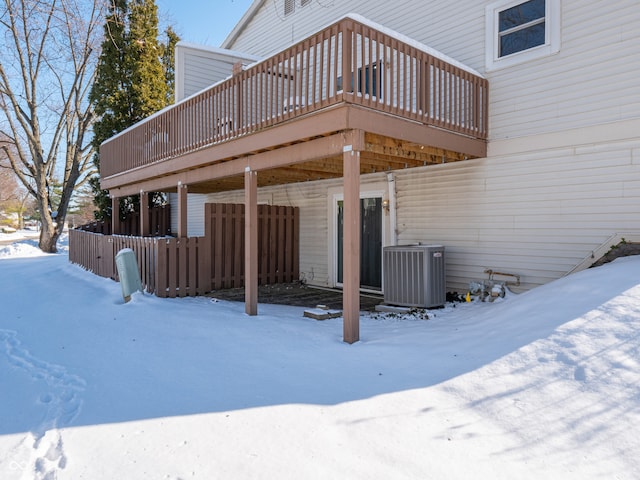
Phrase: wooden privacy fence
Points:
(159, 219)
(278, 244)
(179, 267)
(169, 267)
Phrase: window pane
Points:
(522, 39)
(521, 14)
(289, 6)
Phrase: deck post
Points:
(347, 67)
(251, 241)
(351, 244)
(182, 210)
(144, 214)
(115, 215)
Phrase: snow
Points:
(538, 385)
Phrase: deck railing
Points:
(348, 62)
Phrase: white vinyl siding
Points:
(537, 214)
(592, 80)
(199, 67)
(195, 214)
(269, 31)
(562, 176)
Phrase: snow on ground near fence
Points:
(540, 385)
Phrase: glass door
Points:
(370, 242)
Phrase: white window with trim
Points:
(518, 31)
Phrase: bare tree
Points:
(14, 198)
(47, 66)
(9, 188)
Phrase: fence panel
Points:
(224, 230)
(278, 244)
(83, 251)
(183, 267)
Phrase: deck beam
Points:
(305, 140)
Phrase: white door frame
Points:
(335, 194)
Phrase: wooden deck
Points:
(352, 99)
(299, 295)
(287, 116)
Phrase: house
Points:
(507, 131)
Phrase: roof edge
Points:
(242, 23)
(218, 50)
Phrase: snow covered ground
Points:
(18, 235)
(541, 385)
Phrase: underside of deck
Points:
(304, 149)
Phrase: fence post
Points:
(115, 215)
(144, 213)
(182, 210)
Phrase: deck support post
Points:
(351, 244)
(144, 213)
(182, 210)
(251, 241)
(115, 215)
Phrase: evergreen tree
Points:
(169, 63)
(148, 84)
(133, 81)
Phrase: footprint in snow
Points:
(42, 450)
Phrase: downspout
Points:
(391, 184)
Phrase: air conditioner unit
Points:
(414, 276)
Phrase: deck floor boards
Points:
(299, 295)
